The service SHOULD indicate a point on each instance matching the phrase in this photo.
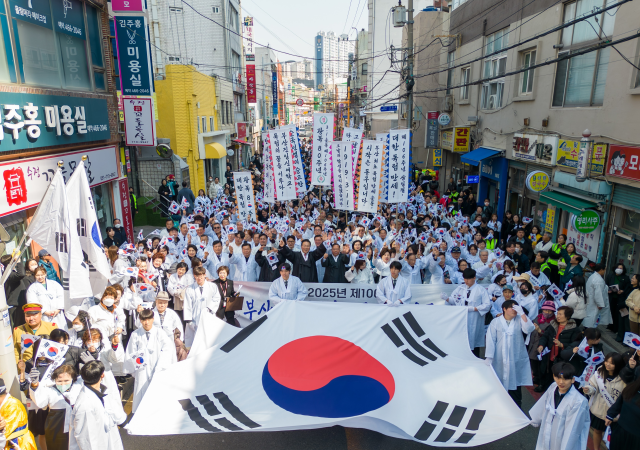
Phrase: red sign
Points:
(433, 114)
(242, 130)
(15, 186)
(251, 83)
(299, 102)
(125, 203)
(624, 162)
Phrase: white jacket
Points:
(577, 303)
(94, 426)
(364, 276)
(51, 295)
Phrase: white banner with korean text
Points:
(138, 121)
(282, 164)
(244, 196)
(321, 151)
(352, 134)
(341, 155)
(398, 165)
(296, 158)
(269, 183)
(370, 173)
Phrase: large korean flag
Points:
(406, 372)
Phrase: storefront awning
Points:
(214, 151)
(478, 155)
(238, 141)
(567, 202)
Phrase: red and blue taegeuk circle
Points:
(636, 342)
(28, 342)
(52, 351)
(139, 360)
(325, 376)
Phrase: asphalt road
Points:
(334, 438)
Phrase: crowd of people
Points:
(506, 273)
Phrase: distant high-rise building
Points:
(332, 58)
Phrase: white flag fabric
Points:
(370, 176)
(83, 214)
(405, 372)
(282, 165)
(296, 158)
(341, 155)
(398, 157)
(382, 137)
(321, 153)
(244, 196)
(632, 340)
(51, 228)
(269, 184)
(352, 134)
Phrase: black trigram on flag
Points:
(451, 427)
(222, 422)
(427, 349)
(61, 242)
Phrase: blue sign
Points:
(389, 108)
(37, 12)
(319, 60)
(274, 93)
(69, 18)
(47, 120)
(473, 179)
(494, 168)
(133, 57)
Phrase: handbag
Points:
(234, 304)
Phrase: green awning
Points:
(567, 202)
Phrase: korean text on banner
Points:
(133, 57)
(321, 153)
(244, 196)
(398, 165)
(370, 173)
(341, 154)
(352, 134)
(296, 158)
(138, 122)
(251, 83)
(269, 182)
(282, 165)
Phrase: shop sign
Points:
(446, 140)
(587, 221)
(133, 57)
(586, 243)
(32, 121)
(138, 122)
(461, 139)
(491, 168)
(568, 156)
(624, 162)
(538, 181)
(127, 5)
(431, 137)
(536, 148)
(550, 219)
(25, 181)
(437, 157)
(125, 204)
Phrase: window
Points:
(216, 10)
(495, 65)
(204, 124)
(175, 10)
(40, 62)
(95, 44)
(450, 57)
(211, 127)
(365, 68)
(464, 90)
(580, 80)
(528, 60)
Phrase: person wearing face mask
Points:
(96, 347)
(79, 319)
(103, 315)
(51, 295)
(120, 232)
(59, 395)
(540, 323)
(495, 291)
(526, 298)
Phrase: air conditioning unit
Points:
(493, 102)
(447, 103)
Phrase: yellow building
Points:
(188, 116)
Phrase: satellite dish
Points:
(164, 151)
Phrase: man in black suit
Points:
(304, 262)
(335, 265)
(269, 270)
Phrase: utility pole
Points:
(409, 81)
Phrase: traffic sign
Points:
(444, 119)
(389, 108)
(299, 102)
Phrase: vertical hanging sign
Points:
(321, 151)
(298, 166)
(244, 196)
(138, 122)
(398, 165)
(341, 155)
(370, 172)
(282, 165)
(274, 93)
(269, 184)
(251, 84)
(133, 57)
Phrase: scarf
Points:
(542, 319)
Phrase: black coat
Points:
(569, 335)
(230, 291)
(20, 295)
(305, 270)
(13, 286)
(266, 272)
(108, 242)
(188, 194)
(335, 270)
(121, 235)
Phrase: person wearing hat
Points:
(506, 351)
(15, 417)
(287, 287)
(164, 317)
(360, 272)
(475, 298)
(34, 325)
(44, 260)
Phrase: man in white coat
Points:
(200, 295)
(164, 317)
(562, 413)
(484, 267)
(436, 264)
(597, 299)
(394, 290)
(246, 267)
(506, 350)
(94, 419)
(287, 287)
(411, 268)
(149, 351)
(475, 298)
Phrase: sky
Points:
(291, 26)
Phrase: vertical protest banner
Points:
(269, 184)
(321, 152)
(296, 159)
(138, 122)
(341, 155)
(251, 83)
(370, 176)
(282, 164)
(244, 196)
(352, 134)
(133, 57)
(397, 158)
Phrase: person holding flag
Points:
(33, 326)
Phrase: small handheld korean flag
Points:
(27, 341)
(544, 352)
(185, 203)
(140, 236)
(131, 271)
(272, 258)
(232, 229)
(607, 437)
(584, 349)
(632, 340)
(174, 208)
(596, 359)
(139, 360)
(152, 276)
(142, 288)
(51, 350)
(555, 292)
